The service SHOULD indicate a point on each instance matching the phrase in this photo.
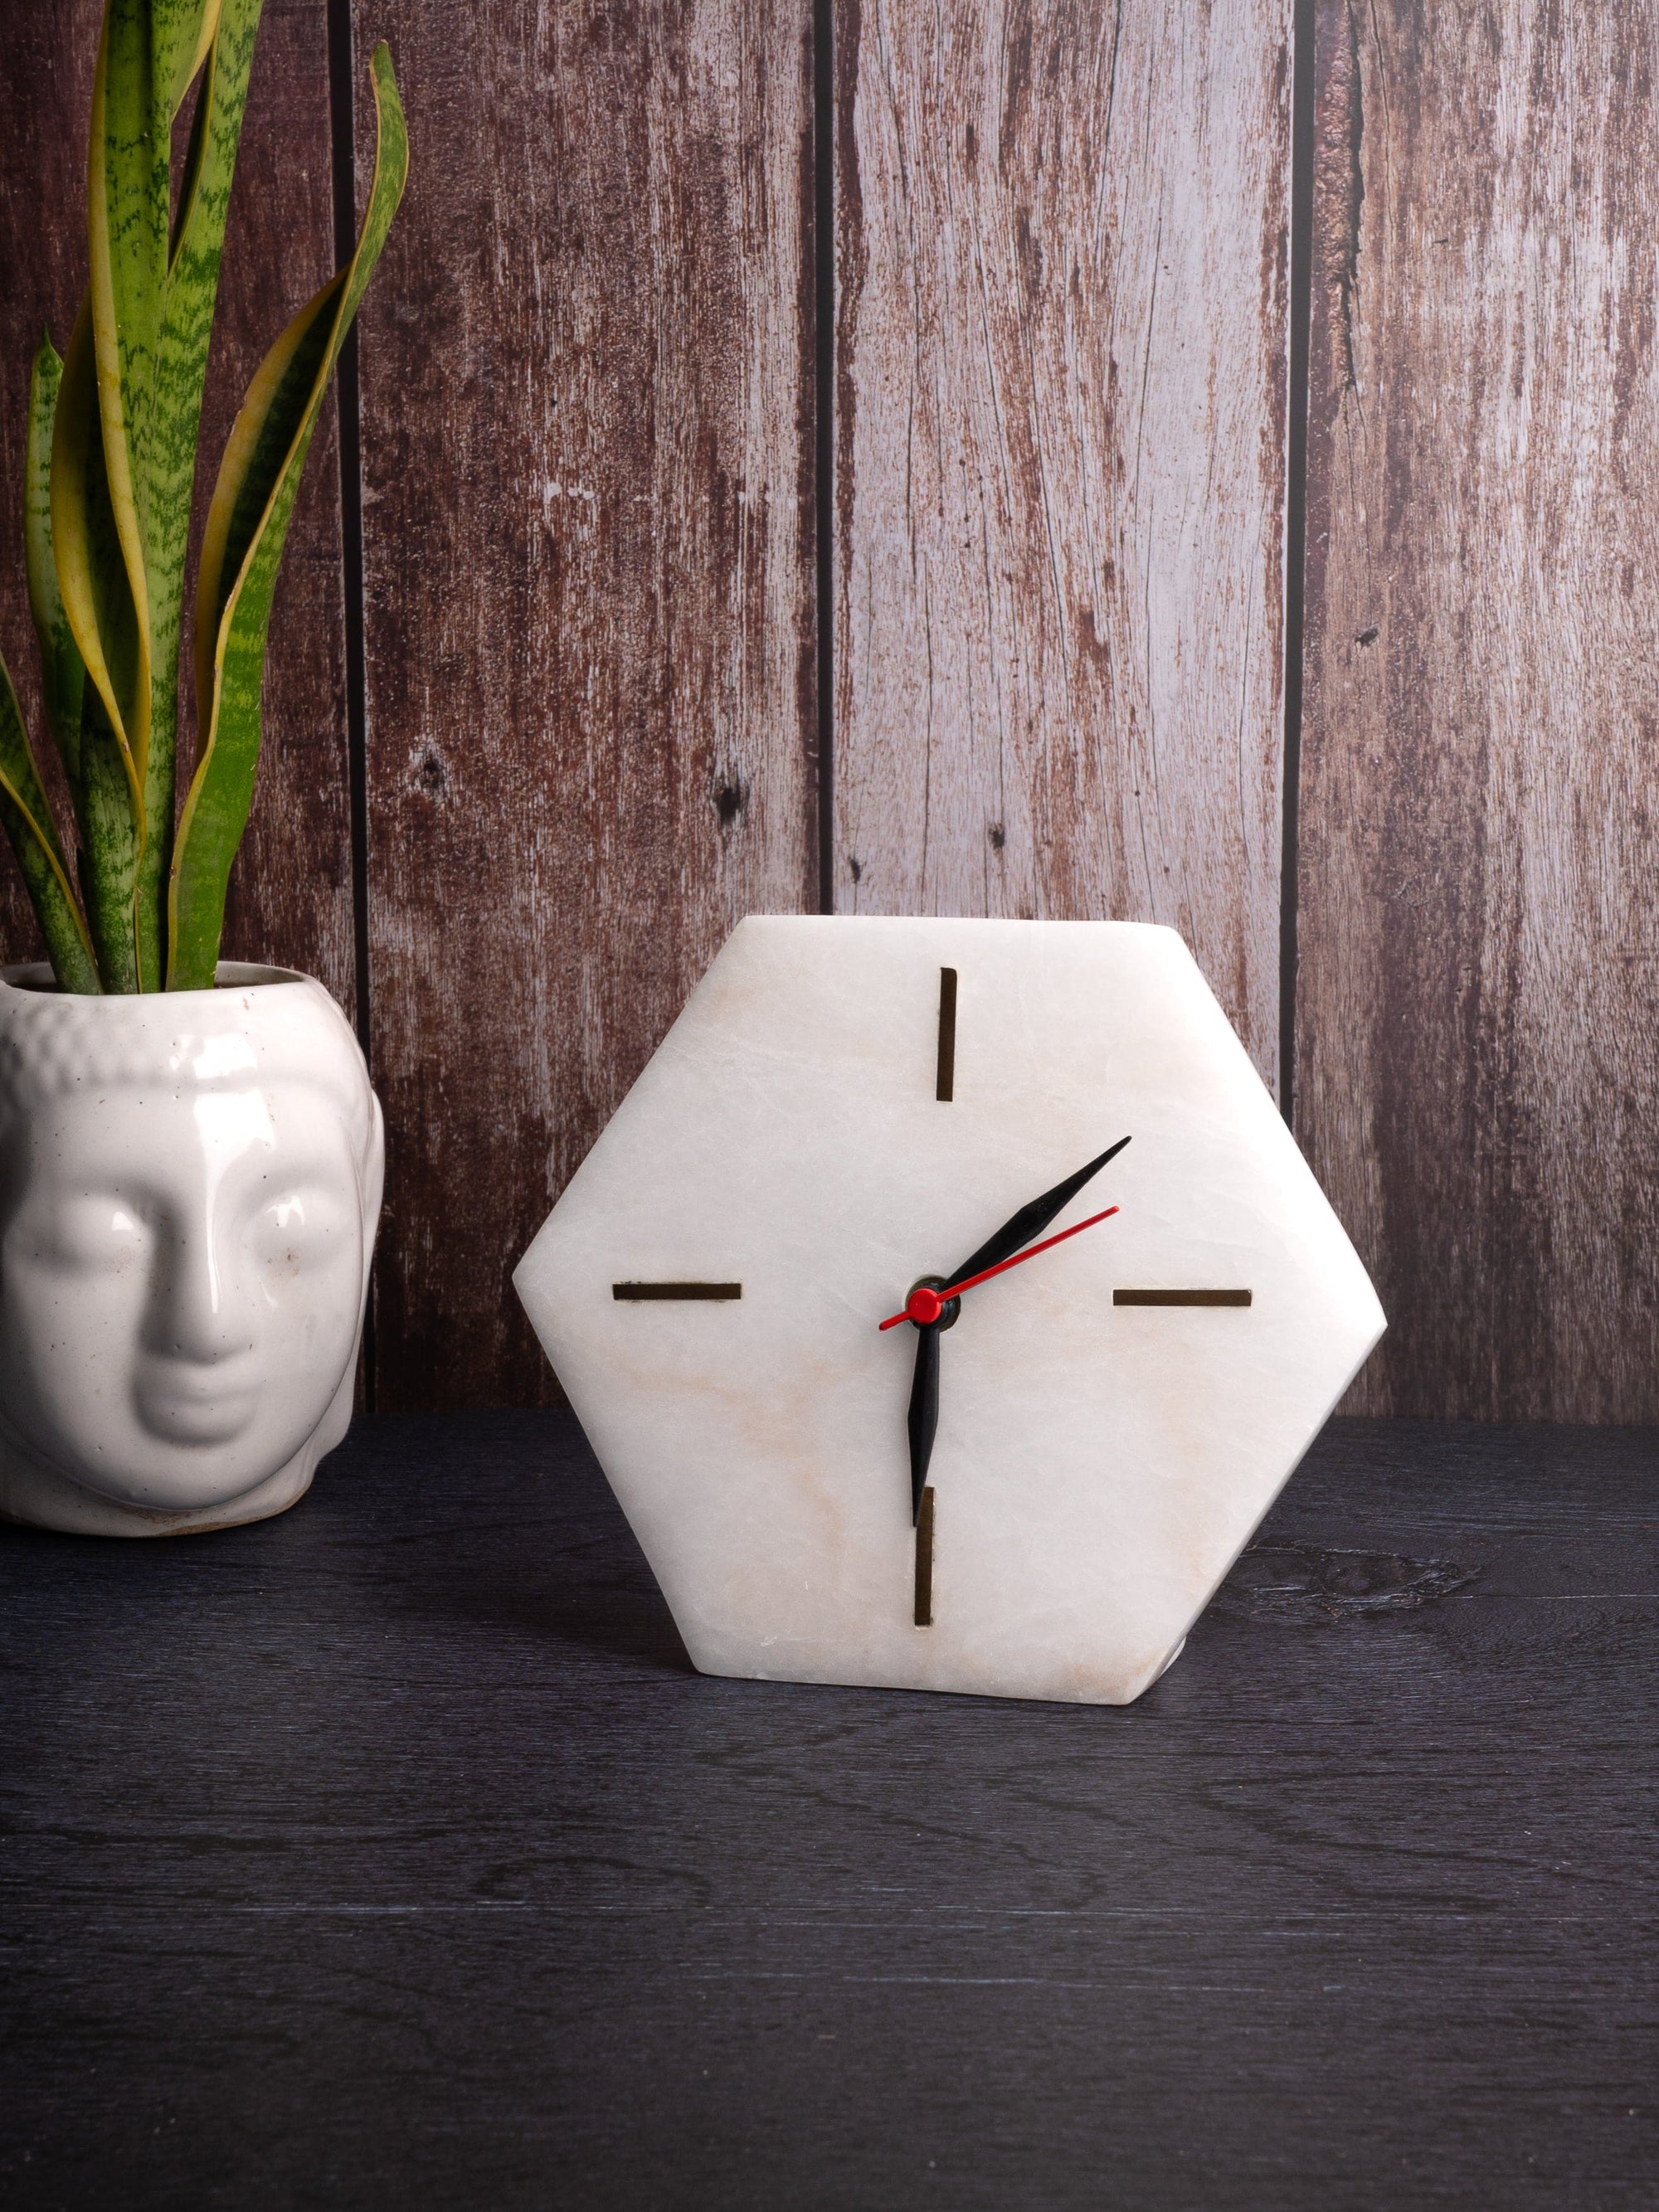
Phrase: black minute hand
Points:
(1017, 1231)
(1032, 1220)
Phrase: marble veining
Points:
(1100, 1461)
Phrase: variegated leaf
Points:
(93, 579)
(242, 549)
(185, 331)
(62, 672)
(28, 821)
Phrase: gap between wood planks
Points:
(342, 130)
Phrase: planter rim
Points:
(35, 977)
(54, 1042)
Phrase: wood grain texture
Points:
(388, 1855)
(45, 94)
(291, 891)
(1478, 1036)
(587, 452)
(1062, 260)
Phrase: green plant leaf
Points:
(28, 821)
(63, 673)
(199, 124)
(242, 549)
(123, 469)
(129, 149)
(93, 579)
(182, 39)
(148, 54)
(92, 576)
(127, 209)
(221, 36)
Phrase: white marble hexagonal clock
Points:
(1034, 1493)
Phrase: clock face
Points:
(848, 1109)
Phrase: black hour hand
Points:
(924, 1412)
(1032, 1220)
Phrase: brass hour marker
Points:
(946, 1088)
(1181, 1297)
(925, 1554)
(636, 1290)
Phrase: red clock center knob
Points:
(924, 1306)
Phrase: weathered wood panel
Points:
(46, 92)
(1060, 397)
(291, 891)
(1477, 1042)
(587, 454)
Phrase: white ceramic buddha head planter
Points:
(189, 1187)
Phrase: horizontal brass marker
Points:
(636, 1290)
(1181, 1297)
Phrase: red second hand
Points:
(924, 1306)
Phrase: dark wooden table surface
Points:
(390, 1854)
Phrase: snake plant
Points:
(111, 464)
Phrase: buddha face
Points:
(182, 1271)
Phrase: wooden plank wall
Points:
(1060, 372)
(43, 95)
(1477, 1042)
(588, 472)
(593, 380)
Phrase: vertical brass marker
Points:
(925, 1553)
(947, 1034)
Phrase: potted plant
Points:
(190, 1156)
